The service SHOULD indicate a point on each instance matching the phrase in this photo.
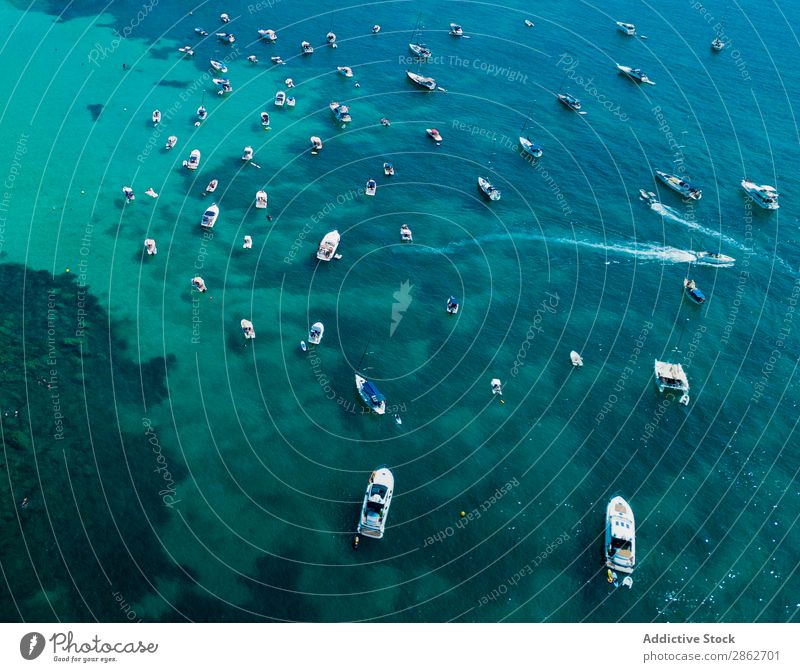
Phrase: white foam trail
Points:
(674, 215)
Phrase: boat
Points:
(194, 160)
(277, 60)
(330, 38)
(398, 420)
(452, 305)
(529, 23)
(328, 246)
(202, 113)
(247, 153)
(497, 386)
(261, 199)
(530, 148)
(636, 74)
(316, 144)
(388, 168)
(763, 195)
(425, 82)
(212, 187)
(210, 216)
(345, 70)
(488, 190)
(253, 58)
(303, 346)
(129, 195)
(620, 536)
(156, 117)
(269, 35)
(370, 395)
(385, 122)
(377, 500)
(692, 291)
(227, 38)
(224, 18)
(289, 83)
(371, 188)
(151, 192)
(171, 142)
(648, 197)
(376, 28)
(576, 359)
(306, 48)
(717, 44)
(150, 246)
(248, 243)
(714, 258)
(405, 233)
(341, 112)
(225, 87)
(199, 284)
(265, 120)
(291, 101)
(201, 32)
(681, 186)
(627, 28)
(187, 50)
(280, 98)
(419, 50)
(570, 101)
(434, 134)
(456, 30)
(316, 332)
(247, 329)
(672, 377)
(218, 66)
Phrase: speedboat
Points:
(627, 28)
(762, 194)
(316, 144)
(419, 50)
(187, 50)
(376, 28)
(620, 536)
(248, 243)
(330, 38)
(212, 187)
(405, 233)
(425, 82)
(261, 199)
(328, 246)
(202, 113)
(171, 142)
(247, 153)
(345, 70)
(199, 284)
(717, 44)
(693, 292)
(224, 18)
(672, 377)
(247, 329)
(194, 160)
(372, 187)
(129, 195)
(530, 148)
(385, 122)
(219, 67)
(252, 58)
(201, 32)
(227, 38)
(150, 246)
(280, 98)
(291, 101)
(210, 216)
(315, 333)
(269, 35)
(714, 258)
(488, 189)
(265, 120)
(388, 168)
(681, 186)
(306, 48)
(648, 197)
(575, 358)
(452, 305)
(341, 112)
(156, 117)
(456, 30)
(225, 87)
(370, 395)
(570, 101)
(220, 81)
(377, 500)
(289, 83)
(434, 134)
(277, 60)
(497, 386)
(529, 23)
(635, 74)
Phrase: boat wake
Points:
(673, 215)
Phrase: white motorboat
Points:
(717, 44)
(253, 59)
(225, 87)
(627, 28)
(151, 192)
(268, 34)
(620, 536)
(529, 23)
(371, 188)
(434, 134)
(150, 246)
(218, 66)
(763, 195)
(289, 83)
(497, 386)
(370, 395)
(328, 246)
(714, 258)
(224, 18)
(277, 60)
(129, 195)
(576, 359)
(227, 38)
(210, 216)
(247, 329)
(316, 144)
(341, 112)
(648, 197)
(405, 233)
(199, 284)
(172, 140)
(202, 113)
(530, 148)
(330, 38)
(636, 74)
(345, 70)
(306, 48)
(672, 377)
(681, 186)
(211, 187)
(425, 82)
(248, 243)
(456, 30)
(316, 332)
(201, 32)
(488, 190)
(280, 98)
(261, 199)
(156, 117)
(377, 500)
(265, 120)
(194, 160)
(247, 153)
(291, 101)
(186, 50)
(452, 305)
(419, 50)
(376, 28)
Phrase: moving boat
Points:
(280, 98)
(693, 292)
(150, 246)
(627, 28)
(717, 44)
(261, 199)
(265, 120)
(434, 134)
(452, 305)
(456, 30)
(306, 48)
(388, 168)
(316, 144)
(672, 377)
(269, 35)
(341, 112)
(212, 187)
(530, 148)
(129, 195)
(714, 258)
(648, 197)
(635, 74)
(371, 395)
(425, 82)
(763, 195)
(488, 189)
(328, 246)
(199, 284)
(218, 66)
(171, 142)
(575, 358)
(497, 386)
(247, 329)
(156, 117)
(247, 153)
(345, 70)
(372, 187)
(681, 186)
(405, 233)
(620, 536)
(377, 500)
(570, 101)
(194, 160)
(316, 332)
(210, 216)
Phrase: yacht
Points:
(171, 142)
(717, 44)
(199, 284)
(277, 60)
(762, 194)
(227, 38)
(129, 195)
(488, 189)
(530, 148)
(330, 38)
(388, 169)
(247, 153)
(376, 28)
(150, 246)
(377, 500)
(497, 387)
(714, 258)
(681, 186)
(289, 83)
(224, 18)
(693, 292)
(672, 377)
(452, 305)
(269, 35)
(194, 160)
(202, 113)
(627, 28)
(186, 49)
(575, 358)
(291, 101)
(280, 98)
(316, 144)
(210, 216)
(261, 199)
(425, 82)
(211, 187)
(247, 329)
(265, 120)
(253, 59)
(570, 101)
(620, 536)
(225, 87)
(419, 50)
(306, 48)
(372, 187)
(635, 74)
(529, 23)
(371, 395)
(341, 112)
(405, 233)
(434, 134)
(219, 67)
(156, 117)
(345, 70)
(328, 246)
(456, 30)
(315, 333)
(248, 243)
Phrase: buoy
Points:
(67, 270)
(355, 541)
(610, 576)
(502, 401)
(463, 514)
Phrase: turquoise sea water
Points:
(173, 472)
